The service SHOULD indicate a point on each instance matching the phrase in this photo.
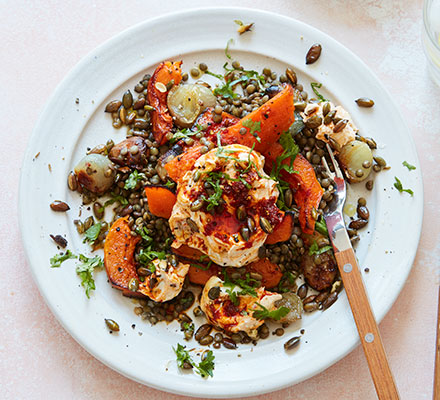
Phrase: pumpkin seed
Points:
(380, 161)
(98, 210)
(112, 325)
(291, 75)
(300, 105)
(309, 299)
(197, 204)
(229, 343)
(113, 106)
(250, 224)
(241, 213)
(265, 225)
(330, 300)
(59, 206)
(143, 271)
(193, 226)
(313, 122)
(357, 224)
(127, 99)
(89, 221)
(313, 53)
(79, 226)
(292, 343)
(72, 181)
(321, 297)
(340, 125)
(312, 306)
(326, 108)
(288, 198)
(203, 331)
(133, 284)
(363, 212)
(245, 234)
(302, 291)
(197, 175)
(198, 311)
(365, 102)
(214, 292)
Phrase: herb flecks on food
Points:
(85, 271)
(206, 366)
(187, 133)
(315, 86)
(254, 128)
(58, 259)
(315, 249)
(133, 180)
(92, 233)
(264, 313)
(321, 227)
(398, 185)
(144, 233)
(290, 152)
(408, 165)
(119, 199)
(242, 27)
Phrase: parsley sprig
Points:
(264, 313)
(206, 366)
(85, 271)
(133, 180)
(321, 227)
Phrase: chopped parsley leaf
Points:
(133, 180)
(92, 233)
(204, 368)
(399, 187)
(230, 41)
(315, 86)
(315, 249)
(264, 313)
(148, 255)
(85, 272)
(408, 165)
(120, 199)
(145, 235)
(58, 259)
(321, 227)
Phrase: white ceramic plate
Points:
(66, 129)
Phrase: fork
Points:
(355, 289)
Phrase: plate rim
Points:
(108, 43)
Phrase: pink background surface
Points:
(43, 40)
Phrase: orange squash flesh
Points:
(161, 200)
(199, 276)
(283, 231)
(306, 188)
(270, 272)
(179, 165)
(119, 249)
(161, 119)
(274, 117)
(188, 252)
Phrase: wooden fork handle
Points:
(366, 324)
